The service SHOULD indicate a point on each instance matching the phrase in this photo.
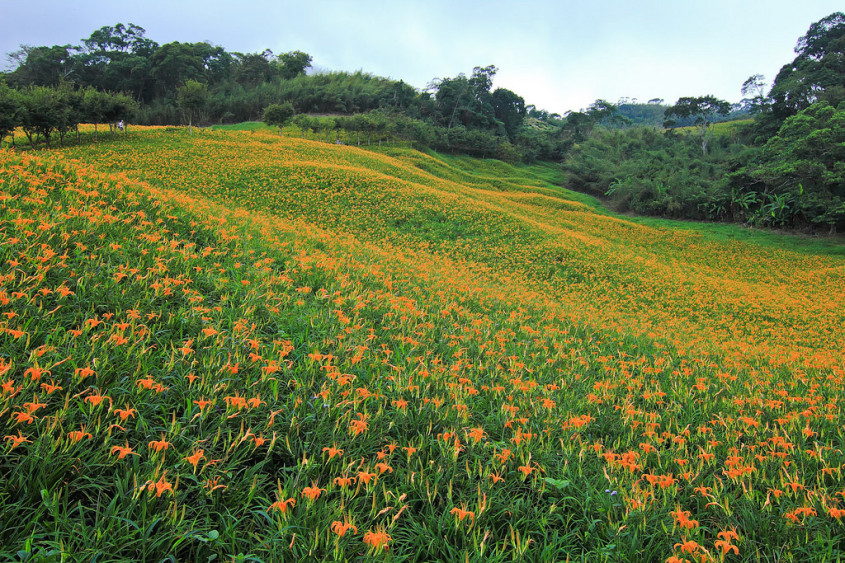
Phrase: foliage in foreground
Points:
(251, 381)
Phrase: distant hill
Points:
(652, 115)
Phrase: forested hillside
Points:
(780, 169)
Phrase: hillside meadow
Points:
(238, 346)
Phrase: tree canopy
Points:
(277, 115)
(804, 165)
(192, 97)
(817, 72)
(703, 110)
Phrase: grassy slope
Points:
(722, 128)
(479, 320)
(640, 276)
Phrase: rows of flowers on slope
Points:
(747, 302)
(239, 383)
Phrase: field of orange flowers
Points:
(235, 346)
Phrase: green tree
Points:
(402, 95)
(192, 97)
(42, 66)
(176, 63)
(755, 86)
(254, 68)
(119, 39)
(95, 105)
(277, 115)
(466, 101)
(9, 111)
(817, 72)
(481, 83)
(372, 122)
(303, 122)
(69, 111)
(119, 107)
(118, 58)
(802, 167)
(358, 123)
(509, 109)
(41, 113)
(577, 126)
(602, 110)
(702, 110)
(452, 95)
(292, 64)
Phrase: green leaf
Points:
(559, 484)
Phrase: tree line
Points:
(782, 168)
(464, 113)
(44, 112)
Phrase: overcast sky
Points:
(558, 55)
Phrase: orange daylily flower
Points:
(122, 451)
(688, 546)
(477, 434)
(365, 477)
(359, 425)
(340, 528)
(124, 413)
(194, 458)
(202, 403)
(76, 435)
(283, 505)
(35, 373)
(34, 405)
(682, 518)
(146, 383)
(161, 486)
(378, 539)
(17, 440)
(525, 469)
(96, 398)
(21, 417)
(159, 445)
(344, 481)
(503, 456)
(461, 513)
(312, 493)
(7, 386)
(726, 547)
(51, 387)
(235, 401)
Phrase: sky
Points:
(558, 55)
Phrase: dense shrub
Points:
(645, 170)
